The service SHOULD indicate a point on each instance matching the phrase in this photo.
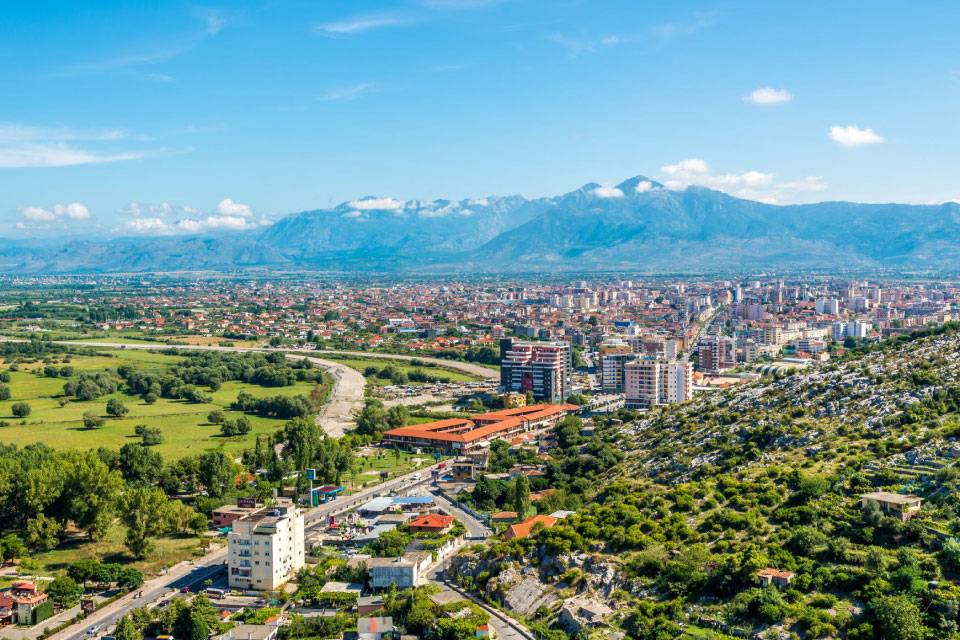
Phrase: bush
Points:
(20, 409)
(4, 392)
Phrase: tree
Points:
(521, 495)
(91, 491)
(216, 472)
(92, 421)
(215, 417)
(150, 397)
(4, 392)
(12, 547)
(139, 465)
(43, 532)
(897, 618)
(64, 591)
(20, 409)
(143, 512)
(116, 408)
(127, 630)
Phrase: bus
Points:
(213, 592)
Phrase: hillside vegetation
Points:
(766, 476)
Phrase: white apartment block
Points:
(652, 382)
(265, 549)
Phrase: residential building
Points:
(525, 528)
(24, 604)
(612, 359)
(542, 368)
(651, 382)
(431, 523)
(775, 577)
(896, 504)
(717, 353)
(405, 572)
(265, 549)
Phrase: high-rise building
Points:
(612, 358)
(651, 382)
(544, 368)
(265, 548)
(717, 353)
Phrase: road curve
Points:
(336, 416)
(469, 368)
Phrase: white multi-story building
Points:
(651, 382)
(265, 549)
(829, 306)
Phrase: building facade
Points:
(543, 368)
(652, 382)
(265, 549)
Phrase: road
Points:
(480, 371)
(475, 528)
(194, 574)
(336, 417)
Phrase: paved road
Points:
(193, 575)
(475, 527)
(336, 417)
(470, 368)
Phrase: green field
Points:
(360, 363)
(184, 425)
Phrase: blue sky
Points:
(169, 117)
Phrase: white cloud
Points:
(71, 211)
(752, 185)
(146, 226)
(349, 92)
(229, 208)
(686, 168)
(23, 146)
(376, 204)
(852, 136)
(37, 214)
(643, 186)
(768, 95)
(608, 192)
(167, 219)
(359, 24)
(687, 27)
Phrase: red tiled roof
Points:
(482, 425)
(525, 528)
(431, 521)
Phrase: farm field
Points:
(184, 425)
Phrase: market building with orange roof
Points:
(457, 436)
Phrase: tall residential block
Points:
(652, 382)
(265, 549)
(544, 368)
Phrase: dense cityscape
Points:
(479, 320)
(313, 454)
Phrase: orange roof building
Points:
(431, 522)
(525, 528)
(460, 435)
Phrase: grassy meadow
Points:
(184, 425)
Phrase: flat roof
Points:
(895, 498)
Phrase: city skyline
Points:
(185, 118)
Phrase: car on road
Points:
(184, 589)
(94, 630)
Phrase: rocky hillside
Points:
(673, 539)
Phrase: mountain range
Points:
(637, 226)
